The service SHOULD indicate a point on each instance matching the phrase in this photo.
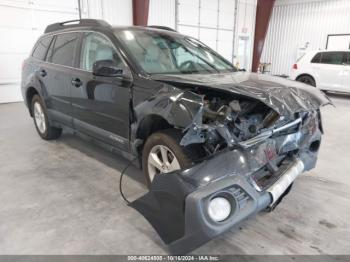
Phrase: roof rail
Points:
(162, 27)
(75, 23)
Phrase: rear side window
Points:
(333, 58)
(330, 58)
(41, 48)
(63, 49)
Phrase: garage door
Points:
(21, 23)
(211, 21)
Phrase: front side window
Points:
(162, 53)
(333, 58)
(63, 49)
(95, 48)
(41, 48)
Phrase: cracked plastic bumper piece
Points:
(277, 189)
(178, 209)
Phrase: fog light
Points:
(219, 209)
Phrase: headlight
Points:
(219, 209)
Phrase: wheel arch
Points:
(30, 93)
(148, 126)
(306, 74)
(151, 124)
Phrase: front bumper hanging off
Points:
(177, 207)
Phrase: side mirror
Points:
(106, 68)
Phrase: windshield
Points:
(160, 53)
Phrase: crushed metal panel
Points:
(284, 96)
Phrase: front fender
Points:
(176, 106)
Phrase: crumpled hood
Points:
(284, 96)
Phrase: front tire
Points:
(162, 153)
(41, 120)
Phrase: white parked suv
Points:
(327, 70)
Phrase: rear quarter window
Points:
(316, 58)
(40, 49)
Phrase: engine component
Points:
(227, 121)
(248, 126)
(270, 119)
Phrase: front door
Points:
(101, 104)
(331, 71)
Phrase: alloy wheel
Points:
(39, 117)
(161, 160)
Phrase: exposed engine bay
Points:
(225, 120)
(244, 118)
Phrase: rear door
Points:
(330, 70)
(101, 104)
(37, 63)
(57, 71)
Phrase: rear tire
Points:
(308, 80)
(167, 143)
(41, 120)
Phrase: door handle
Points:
(43, 72)
(76, 82)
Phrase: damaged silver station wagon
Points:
(216, 145)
